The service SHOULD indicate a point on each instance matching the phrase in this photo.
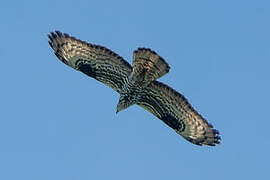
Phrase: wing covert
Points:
(95, 61)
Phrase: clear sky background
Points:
(56, 123)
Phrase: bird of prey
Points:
(136, 84)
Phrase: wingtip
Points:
(55, 34)
(211, 140)
(50, 43)
(216, 139)
(58, 33)
(50, 37)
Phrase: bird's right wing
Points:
(95, 61)
(175, 111)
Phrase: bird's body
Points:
(147, 67)
(136, 84)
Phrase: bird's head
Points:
(123, 103)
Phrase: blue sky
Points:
(56, 123)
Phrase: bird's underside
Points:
(136, 84)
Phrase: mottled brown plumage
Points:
(136, 85)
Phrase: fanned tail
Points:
(148, 66)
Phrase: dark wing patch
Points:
(93, 60)
(173, 122)
(86, 69)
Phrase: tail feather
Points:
(148, 65)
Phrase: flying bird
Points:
(136, 84)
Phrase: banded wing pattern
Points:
(175, 111)
(161, 100)
(93, 60)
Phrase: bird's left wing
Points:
(95, 61)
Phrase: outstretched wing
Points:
(95, 61)
(174, 110)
